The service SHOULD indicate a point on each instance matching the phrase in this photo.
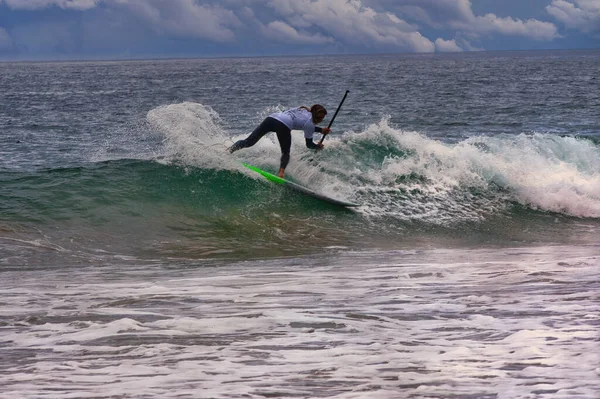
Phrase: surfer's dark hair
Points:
(316, 110)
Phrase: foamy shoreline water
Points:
(502, 323)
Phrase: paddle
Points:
(334, 115)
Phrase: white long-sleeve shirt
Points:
(297, 119)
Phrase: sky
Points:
(129, 29)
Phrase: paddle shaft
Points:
(334, 115)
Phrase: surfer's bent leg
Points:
(284, 135)
(266, 126)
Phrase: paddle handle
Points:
(334, 115)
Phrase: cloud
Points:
(283, 32)
(40, 4)
(463, 43)
(184, 18)
(349, 22)
(531, 28)
(5, 40)
(582, 15)
(447, 46)
(459, 15)
(256, 26)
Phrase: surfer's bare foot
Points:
(281, 173)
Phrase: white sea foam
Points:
(193, 134)
(546, 172)
(473, 323)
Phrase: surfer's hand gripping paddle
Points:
(332, 119)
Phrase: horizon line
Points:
(218, 57)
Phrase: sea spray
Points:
(193, 135)
(544, 172)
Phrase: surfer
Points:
(282, 123)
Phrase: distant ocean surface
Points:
(139, 259)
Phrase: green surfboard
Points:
(299, 188)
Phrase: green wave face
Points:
(152, 209)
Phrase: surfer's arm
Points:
(322, 130)
(309, 130)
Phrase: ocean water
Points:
(138, 259)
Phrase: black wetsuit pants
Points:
(284, 135)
